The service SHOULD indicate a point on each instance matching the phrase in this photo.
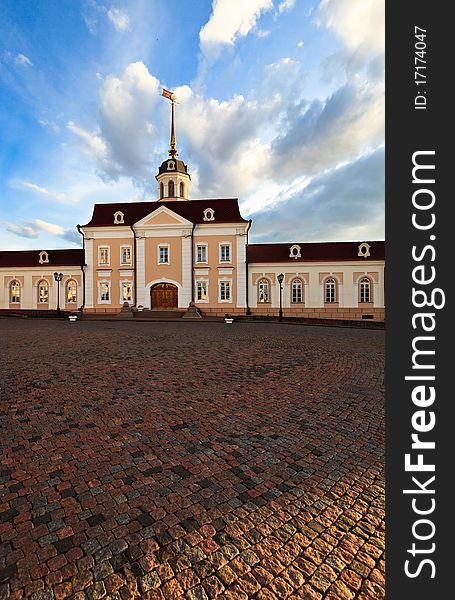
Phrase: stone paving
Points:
(190, 460)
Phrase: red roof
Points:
(314, 252)
(30, 258)
(226, 211)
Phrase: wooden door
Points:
(164, 296)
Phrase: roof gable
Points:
(163, 216)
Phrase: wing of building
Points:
(174, 252)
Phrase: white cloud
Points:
(49, 227)
(286, 5)
(359, 24)
(119, 18)
(26, 231)
(21, 59)
(230, 19)
(59, 196)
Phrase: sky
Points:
(280, 104)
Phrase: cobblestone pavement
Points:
(190, 460)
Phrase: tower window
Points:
(182, 190)
(171, 189)
(161, 190)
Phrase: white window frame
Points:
(19, 296)
(124, 282)
(202, 245)
(264, 280)
(108, 283)
(43, 257)
(361, 291)
(229, 245)
(67, 301)
(124, 247)
(224, 281)
(206, 284)
(119, 218)
(209, 214)
(168, 248)
(40, 282)
(108, 263)
(335, 290)
(302, 290)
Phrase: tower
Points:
(173, 177)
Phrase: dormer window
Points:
(171, 165)
(118, 218)
(43, 257)
(294, 251)
(209, 214)
(364, 250)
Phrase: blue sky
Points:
(281, 104)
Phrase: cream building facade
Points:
(174, 253)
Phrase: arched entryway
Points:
(164, 296)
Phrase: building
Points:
(174, 252)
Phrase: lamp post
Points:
(58, 277)
(280, 278)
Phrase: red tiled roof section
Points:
(30, 258)
(314, 251)
(226, 211)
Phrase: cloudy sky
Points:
(281, 104)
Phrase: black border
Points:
(409, 130)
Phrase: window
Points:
(330, 290)
(71, 291)
(105, 291)
(125, 255)
(161, 190)
(118, 218)
(225, 291)
(127, 291)
(171, 189)
(365, 290)
(43, 292)
(209, 214)
(294, 251)
(225, 253)
(201, 253)
(103, 255)
(182, 190)
(201, 291)
(297, 291)
(15, 292)
(263, 291)
(163, 255)
(43, 257)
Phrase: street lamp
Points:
(58, 277)
(280, 278)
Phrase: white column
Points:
(241, 271)
(315, 295)
(340, 295)
(140, 273)
(27, 301)
(185, 292)
(376, 299)
(89, 273)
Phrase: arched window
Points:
(297, 292)
(182, 190)
(330, 290)
(119, 218)
(171, 189)
(161, 190)
(263, 291)
(364, 290)
(71, 291)
(43, 292)
(15, 292)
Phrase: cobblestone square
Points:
(190, 460)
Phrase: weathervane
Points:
(172, 97)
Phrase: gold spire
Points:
(173, 147)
